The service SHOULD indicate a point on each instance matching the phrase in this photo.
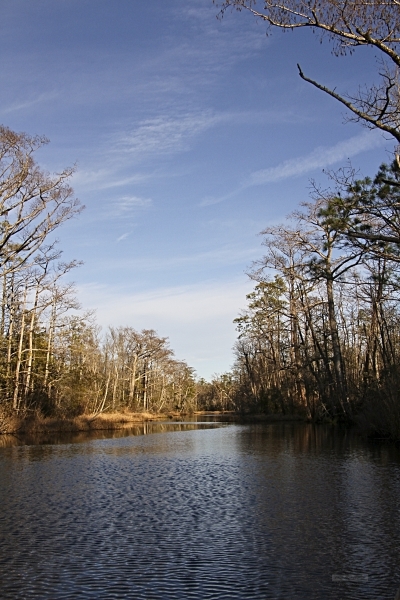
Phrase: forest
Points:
(320, 335)
(54, 360)
(321, 332)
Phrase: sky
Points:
(190, 136)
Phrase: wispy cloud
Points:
(210, 200)
(227, 255)
(26, 104)
(106, 178)
(189, 303)
(166, 134)
(122, 237)
(175, 131)
(128, 203)
(125, 207)
(319, 158)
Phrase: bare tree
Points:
(33, 203)
(349, 24)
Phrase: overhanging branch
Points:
(359, 113)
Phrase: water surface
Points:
(199, 511)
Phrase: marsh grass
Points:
(35, 422)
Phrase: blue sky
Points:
(190, 135)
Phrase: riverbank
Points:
(38, 424)
(34, 423)
(278, 418)
(231, 415)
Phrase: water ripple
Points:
(239, 512)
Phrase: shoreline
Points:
(112, 421)
(89, 422)
(34, 424)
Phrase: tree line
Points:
(320, 335)
(321, 331)
(54, 359)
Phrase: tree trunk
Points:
(336, 349)
(19, 355)
(30, 350)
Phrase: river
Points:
(200, 511)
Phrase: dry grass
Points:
(37, 423)
(9, 423)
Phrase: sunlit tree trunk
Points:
(132, 381)
(10, 335)
(52, 324)
(19, 354)
(30, 348)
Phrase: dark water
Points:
(285, 511)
